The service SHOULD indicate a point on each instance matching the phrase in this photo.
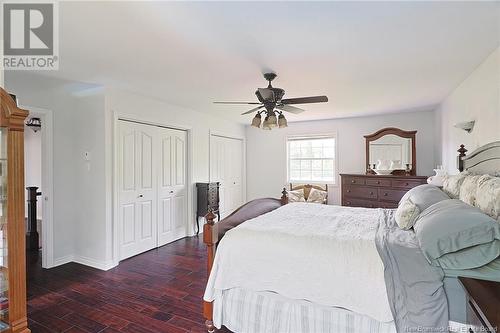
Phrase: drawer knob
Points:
(386, 194)
(353, 181)
(406, 184)
(378, 181)
(371, 193)
(348, 191)
(348, 202)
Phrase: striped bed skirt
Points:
(244, 311)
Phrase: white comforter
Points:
(320, 253)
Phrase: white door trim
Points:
(47, 183)
(117, 117)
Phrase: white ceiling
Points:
(367, 57)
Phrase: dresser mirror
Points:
(391, 151)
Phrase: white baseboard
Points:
(62, 261)
(102, 265)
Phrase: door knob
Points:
(140, 196)
(171, 191)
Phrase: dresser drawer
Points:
(353, 202)
(361, 192)
(408, 184)
(390, 194)
(354, 180)
(378, 182)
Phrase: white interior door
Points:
(137, 186)
(152, 164)
(226, 162)
(172, 189)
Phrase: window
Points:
(311, 159)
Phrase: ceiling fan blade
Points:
(305, 100)
(251, 103)
(254, 109)
(289, 108)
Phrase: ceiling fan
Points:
(271, 103)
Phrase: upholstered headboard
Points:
(484, 160)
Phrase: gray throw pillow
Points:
(424, 196)
(455, 235)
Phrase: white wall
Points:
(72, 118)
(33, 164)
(266, 150)
(476, 98)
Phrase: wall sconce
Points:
(466, 125)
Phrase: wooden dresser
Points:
(374, 191)
(483, 305)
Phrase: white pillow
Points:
(296, 196)
(316, 196)
(406, 214)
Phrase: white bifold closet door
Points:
(152, 187)
(172, 189)
(226, 167)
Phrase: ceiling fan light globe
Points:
(256, 120)
(266, 124)
(282, 123)
(272, 121)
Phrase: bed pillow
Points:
(296, 196)
(468, 189)
(317, 196)
(454, 235)
(424, 196)
(407, 214)
(488, 197)
(452, 183)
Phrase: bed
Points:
(318, 268)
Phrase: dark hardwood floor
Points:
(157, 291)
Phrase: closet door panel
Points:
(128, 224)
(172, 193)
(146, 160)
(180, 152)
(165, 216)
(166, 158)
(137, 190)
(226, 161)
(179, 195)
(146, 198)
(146, 220)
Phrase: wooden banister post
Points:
(284, 197)
(210, 238)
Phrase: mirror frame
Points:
(399, 132)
